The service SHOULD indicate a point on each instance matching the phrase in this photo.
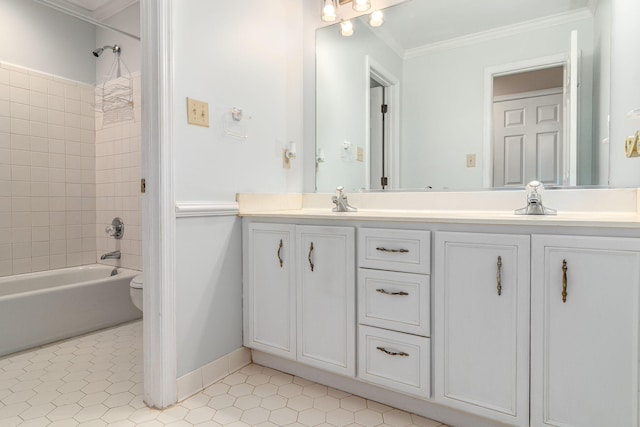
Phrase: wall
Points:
(47, 172)
(342, 88)
(37, 37)
(625, 91)
(246, 55)
(442, 122)
(118, 149)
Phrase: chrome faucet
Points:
(341, 202)
(111, 255)
(534, 201)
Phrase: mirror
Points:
(494, 97)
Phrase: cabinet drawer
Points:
(393, 300)
(399, 250)
(394, 360)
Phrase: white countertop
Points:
(616, 208)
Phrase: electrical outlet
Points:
(197, 113)
(360, 154)
(471, 160)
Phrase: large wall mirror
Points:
(477, 95)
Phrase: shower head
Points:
(116, 50)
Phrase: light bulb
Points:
(376, 19)
(361, 5)
(329, 11)
(346, 28)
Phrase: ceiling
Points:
(418, 23)
(94, 9)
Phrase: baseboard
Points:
(196, 381)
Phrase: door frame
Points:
(158, 205)
(373, 69)
(515, 68)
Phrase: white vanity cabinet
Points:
(299, 293)
(481, 336)
(585, 309)
(269, 291)
(394, 309)
(326, 298)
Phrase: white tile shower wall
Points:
(118, 185)
(47, 172)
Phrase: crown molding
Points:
(112, 8)
(496, 33)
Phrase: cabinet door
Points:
(269, 303)
(584, 360)
(326, 298)
(481, 321)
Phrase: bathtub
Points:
(39, 308)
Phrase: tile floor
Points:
(96, 380)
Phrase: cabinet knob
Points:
(311, 266)
(279, 253)
(499, 276)
(384, 291)
(564, 280)
(392, 353)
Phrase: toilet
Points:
(135, 289)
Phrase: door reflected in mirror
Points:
(522, 91)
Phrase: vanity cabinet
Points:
(394, 309)
(481, 337)
(299, 287)
(326, 298)
(269, 291)
(584, 354)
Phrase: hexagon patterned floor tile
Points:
(96, 381)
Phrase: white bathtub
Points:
(39, 308)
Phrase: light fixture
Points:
(346, 28)
(329, 10)
(361, 5)
(376, 19)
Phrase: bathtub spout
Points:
(111, 255)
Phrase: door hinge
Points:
(143, 185)
(384, 181)
(384, 108)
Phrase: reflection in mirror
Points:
(495, 97)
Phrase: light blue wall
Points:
(229, 54)
(37, 37)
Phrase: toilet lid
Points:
(137, 281)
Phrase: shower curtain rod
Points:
(85, 18)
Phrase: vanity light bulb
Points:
(376, 19)
(346, 28)
(329, 11)
(361, 5)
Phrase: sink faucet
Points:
(534, 201)
(341, 202)
(111, 255)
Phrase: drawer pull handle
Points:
(499, 277)
(393, 251)
(279, 252)
(564, 280)
(383, 291)
(392, 353)
(309, 257)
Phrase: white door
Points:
(326, 298)
(528, 141)
(481, 321)
(269, 309)
(376, 138)
(584, 329)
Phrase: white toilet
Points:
(135, 289)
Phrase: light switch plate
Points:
(471, 160)
(197, 112)
(360, 154)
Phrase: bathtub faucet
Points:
(111, 255)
